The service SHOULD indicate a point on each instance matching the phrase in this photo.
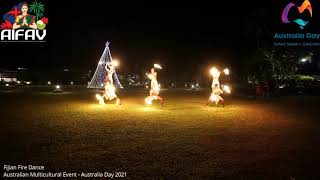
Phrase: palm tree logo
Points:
(37, 8)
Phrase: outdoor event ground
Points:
(275, 138)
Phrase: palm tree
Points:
(37, 8)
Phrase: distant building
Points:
(8, 76)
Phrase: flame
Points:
(100, 99)
(226, 88)
(148, 101)
(157, 66)
(115, 63)
(214, 72)
(226, 71)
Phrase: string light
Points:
(99, 75)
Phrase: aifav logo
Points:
(24, 22)
(305, 6)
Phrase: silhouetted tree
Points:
(272, 64)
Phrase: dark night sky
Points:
(183, 36)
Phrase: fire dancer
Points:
(154, 87)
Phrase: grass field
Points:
(248, 139)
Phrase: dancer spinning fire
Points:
(110, 71)
(216, 91)
(109, 89)
(155, 87)
(215, 95)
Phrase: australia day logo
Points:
(305, 6)
(24, 22)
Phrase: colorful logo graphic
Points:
(19, 18)
(306, 5)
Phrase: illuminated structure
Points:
(8, 76)
(98, 79)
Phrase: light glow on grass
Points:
(147, 109)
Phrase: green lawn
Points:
(248, 139)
